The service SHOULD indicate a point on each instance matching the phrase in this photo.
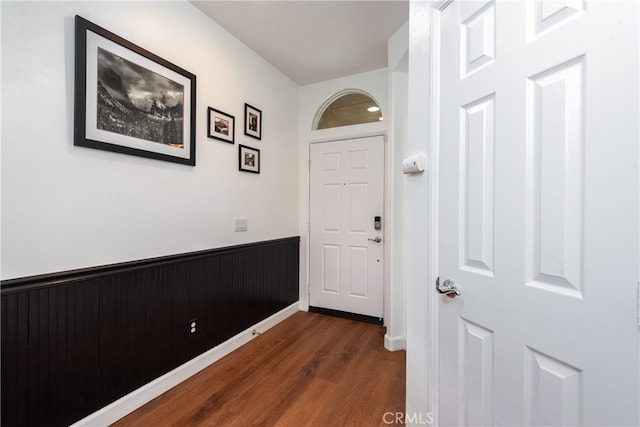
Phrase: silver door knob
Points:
(377, 239)
(448, 288)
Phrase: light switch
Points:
(242, 224)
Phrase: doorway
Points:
(346, 215)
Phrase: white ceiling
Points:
(313, 41)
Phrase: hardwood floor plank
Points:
(308, 405)
(358, 371)
(309, 370)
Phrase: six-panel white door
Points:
(538, 212)
(346, 194)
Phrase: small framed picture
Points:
(249, 159)
(220, 125)
(252, 121)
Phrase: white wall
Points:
(421, 238)
(398, 54)
(66, 207)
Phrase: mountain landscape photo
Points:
(138, 102)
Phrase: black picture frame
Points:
(129, 100)
(221, 125)
(252, 121)
(248, 159)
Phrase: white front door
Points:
(538, 213)
(346, 195)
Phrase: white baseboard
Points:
(394, 343)
(137, 398)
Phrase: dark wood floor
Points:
(310, 370)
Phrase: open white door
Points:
(538, 213)
(346, 197)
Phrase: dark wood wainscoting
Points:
(74, 342)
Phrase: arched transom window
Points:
(347, 108)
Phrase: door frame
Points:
(434, 197)
(422, 389)
(384, 218)
(340, 134)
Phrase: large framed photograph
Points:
(252, 121)
(220, 125)
(130, 101)
(249, 159)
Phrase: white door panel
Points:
(346, 194)
(538, 213)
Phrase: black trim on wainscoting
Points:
(347, 315)
(49, 279)
(75, 341)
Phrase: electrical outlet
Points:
(192, 326)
